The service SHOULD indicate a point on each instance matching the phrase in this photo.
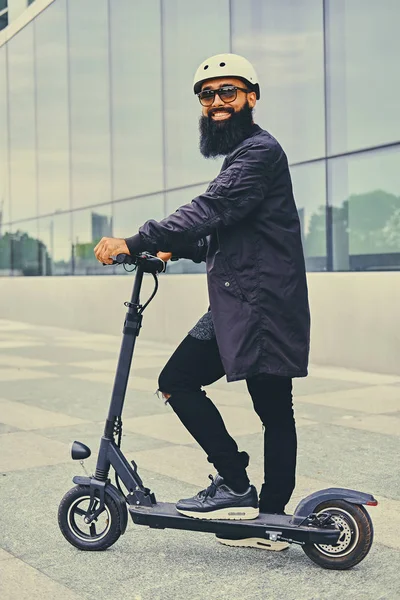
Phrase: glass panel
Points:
(26, 253)
(90, 133)
(132, 214)
(3, 20)
(310, 194)
(88, 227)
(365, 198)
(136, 98)
(192, 32)
(5, 250)
(52, 109)
(4, 193)
(363, 68)
(176, 199)
(22, 125)
(284, 41)
(55, 237)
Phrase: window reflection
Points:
(185, 47)
(365, 211)
(22, 125)
(52, 109)
(5, 250)
(284, 41)
(89, 92)
(88, 227)
(364, 82)
(55, 235)
(26, 253)
(135, 47)
(4, 194)
(173, 201)
(132, 214)
(310, 195)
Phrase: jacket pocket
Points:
(232, 279)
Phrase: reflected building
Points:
(98, 113)
(101, 227)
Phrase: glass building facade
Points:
(99, 123)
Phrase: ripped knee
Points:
(165, 396)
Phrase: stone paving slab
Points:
(5, 555)
(342, 374)
(389, 425)
(7, 344)
(167, 427)
(26, 449)
(18, 361)
(24, 416)
(20, 581)
(173, 564)
(47, 350)
(347, 433)
(371, 399)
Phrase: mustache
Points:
(228, 109)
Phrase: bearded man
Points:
(246, 228)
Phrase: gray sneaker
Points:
(218, 501)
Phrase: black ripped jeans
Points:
(196, 363)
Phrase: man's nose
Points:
(217, 101)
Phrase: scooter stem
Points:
(132, 324)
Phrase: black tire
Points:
(71, 511)
(355, 541)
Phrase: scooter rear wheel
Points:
(98, 535)
(354, 542)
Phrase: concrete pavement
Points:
(55, 386)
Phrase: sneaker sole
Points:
(259, 543)
(232, 514)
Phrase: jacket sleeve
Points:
(230, 197)
(196, 251)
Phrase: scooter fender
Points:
(308, 505)
(115, 495)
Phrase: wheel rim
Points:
(349, 535)
(94, 531)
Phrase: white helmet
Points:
(226, 65)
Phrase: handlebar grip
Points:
(126, 259)
(149, 263)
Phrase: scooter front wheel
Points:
(354, 541)
(98, 535)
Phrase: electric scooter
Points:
(332, 526)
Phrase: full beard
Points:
(219, 138)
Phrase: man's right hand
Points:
(165, 256)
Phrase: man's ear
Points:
(252, 99)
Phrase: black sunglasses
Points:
(227, 93)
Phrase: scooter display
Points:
(331, 525)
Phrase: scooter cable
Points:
(152, 295)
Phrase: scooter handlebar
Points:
(126, 259)
(148, 262)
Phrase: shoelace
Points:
(210, 491)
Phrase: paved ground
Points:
(55, 386)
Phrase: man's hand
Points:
(108, 247)
(165, 256)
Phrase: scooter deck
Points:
(163, 515)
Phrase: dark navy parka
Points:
(246, 227)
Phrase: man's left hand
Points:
(108, 247)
